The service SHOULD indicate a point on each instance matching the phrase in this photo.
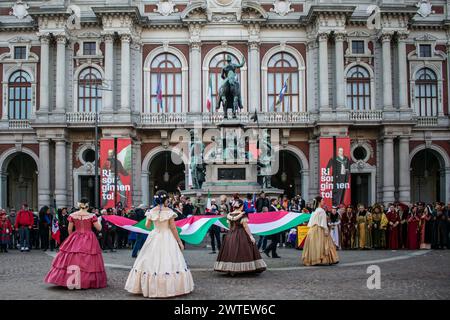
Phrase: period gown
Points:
(364, 222)
(160, 270)
(379, 225)
(347, 229)
(412, 241)
(319, 249)
(238, 254)
(394, 230)
(80, 249)
(426, 230)
(334, 224)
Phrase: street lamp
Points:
(101, 88)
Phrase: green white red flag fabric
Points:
(194, 229)
(209, 95)
(208, 203)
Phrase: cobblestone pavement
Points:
(404, 275)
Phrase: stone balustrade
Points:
(81, 117)
(427, 121)
(215, 118)
(19, 124)
(370, 115)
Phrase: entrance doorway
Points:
(427, 181)
(165, 174)
(21, 184)
(87, 188)
(288, 177)
(360, 185)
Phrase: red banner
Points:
(115, 161)
(334, 171)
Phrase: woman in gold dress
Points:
(319, 248)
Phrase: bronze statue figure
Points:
(230, 92)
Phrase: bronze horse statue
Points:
(229, 95)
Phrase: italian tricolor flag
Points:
(194, 229)
(208, 203)
(209, 95)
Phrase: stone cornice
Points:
(8, 27)
(397, 10)
(117, 11)
(48, 12)
(329, 10)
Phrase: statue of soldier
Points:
(229, 91)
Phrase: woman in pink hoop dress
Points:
(79, 262)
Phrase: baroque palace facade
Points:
(385, 85)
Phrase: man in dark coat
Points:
(262, 202)
(275, 238)
(440, 227)
(63, 224)
(140, 237)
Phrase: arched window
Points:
(165, 84)
(426, 93)
(283, 68)
(19, 98)
(89, 97)
(215, 70)
(358, 89)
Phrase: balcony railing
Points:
(264, 118)
(81, 117)
(163, 118)
(19, 124)
(285, 117)
(427, 121)
(218, 117)
(372, 115)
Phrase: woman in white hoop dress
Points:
(160, 270)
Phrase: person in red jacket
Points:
(24, 222)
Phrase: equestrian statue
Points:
(230, 92)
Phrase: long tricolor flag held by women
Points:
(194, 229)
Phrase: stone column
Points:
(195, 69)
(324, 101)
(313, 170)
(145, 186)
(137, 167)
(402, 71)
(404, 173)
(311, 69)
(388, 170)
(44, 173)
(448, 68)
(340, 82)
(108, 102)
(254, 84)
(3, 188)
(45, 61)
(387, 71)
(60, 174)
(125, 87)
(304, 176)
(61, 73)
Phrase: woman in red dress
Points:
(79, 262)
(412, 242)
(393, 227)
(5, 231)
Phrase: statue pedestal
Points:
(228, 179)
(230, 122)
